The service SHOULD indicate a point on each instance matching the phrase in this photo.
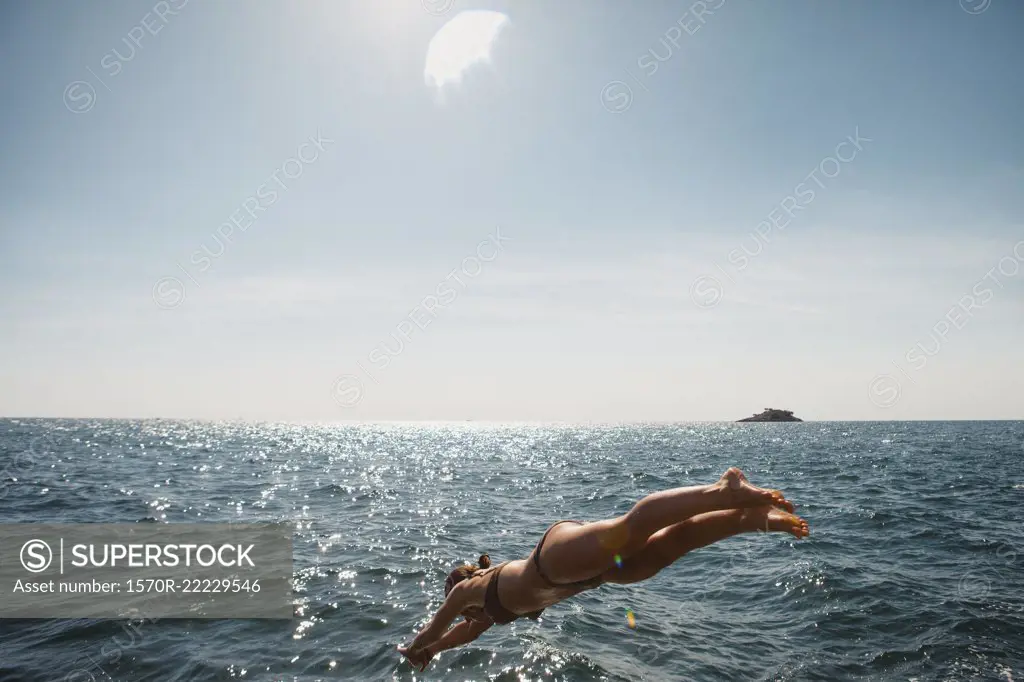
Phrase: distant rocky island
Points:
(771, 414)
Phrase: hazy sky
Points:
(607, 211)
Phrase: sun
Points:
(465, 40)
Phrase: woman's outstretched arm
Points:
(463, 633)
(462, 596)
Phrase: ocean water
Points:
(913, 570)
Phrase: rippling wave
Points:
(912, 571)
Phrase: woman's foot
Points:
(742, 494)
(769, 519)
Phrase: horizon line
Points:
(243, 420)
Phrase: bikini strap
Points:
(540, 545)
(492, 603)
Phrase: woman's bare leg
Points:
(669, 544)
(667, 507)
(574, 553)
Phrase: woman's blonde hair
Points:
(465, 571)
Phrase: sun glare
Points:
(460, 43)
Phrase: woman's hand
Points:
(417, 656)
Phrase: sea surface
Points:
(913, 570)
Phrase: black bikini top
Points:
(493, 606)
